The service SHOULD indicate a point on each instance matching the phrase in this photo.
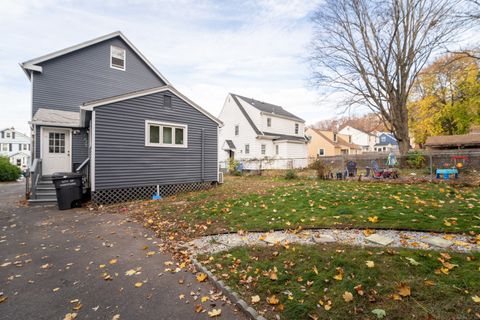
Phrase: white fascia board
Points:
(89, 106)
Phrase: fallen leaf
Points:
(204, 299)
(315, 270)
(201, 277)
(359, 289)
(130, 272)
(273, 300)
(476, 299)
(373, 219)
(370, 264)
(214, 313)
(347, 296)
(404, 290)
(70, 316)
(138, 284)
(255, 299)
(150, 253)
(198, 308)
(339, 275)
(412, 261)
(113, 261)
(116, 317)
(380, 313)
(3, 299)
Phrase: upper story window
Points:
(247, 149)
(5, 147)
(277, 149)
(269, 122)
(167, 101)
(264, 149)
(321, 152)
(8, 134)
(383, 139)
(117, 58)
(334, 137)
(350, 139)
(237, 130)
(164, 134)
(296, 128)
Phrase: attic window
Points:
(296, 128)
(269, 122)
(335, 137)
(117, 58)
(383, 139)
(167, 101)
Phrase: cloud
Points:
(205, 48)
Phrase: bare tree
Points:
(374, 51)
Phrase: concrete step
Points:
(46, 194)
(43, 201)
(46, 187)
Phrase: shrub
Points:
(290, 174)
(233, 167)
(415, 159)
(321, 168)
(8, 171)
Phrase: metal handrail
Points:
(84, 163)
(84, 168)
(35, 175)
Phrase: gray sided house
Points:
(102, 109)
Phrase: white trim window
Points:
(117, 58)
(247, 149)
(269, 122)
(321, 152)
(263, 149)
(165, 134)
(5, 147)
(296, 128)
(237, 130)
(277, 149)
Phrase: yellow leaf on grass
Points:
(347, 296)
(273, 300)
(373, 219)
(476, 299)
(214, 313)
(447, 223)
(201, 277)
(255, 299)
(315, 270)
(138, 284)
(370, 264)
(339, 275)
(404, 290)
(273, 276)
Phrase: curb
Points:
(228, 292)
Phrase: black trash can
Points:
(69, 188)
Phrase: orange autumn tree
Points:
(445, 99)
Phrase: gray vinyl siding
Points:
(85, 75)
(79, 145)
(123, 160)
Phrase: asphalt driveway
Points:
(53, 263)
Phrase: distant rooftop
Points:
(269, 108)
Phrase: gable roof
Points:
(280, 137)
(454, 140)
(32, 64)
(390, 139)
(230, 144)
(244, 112)
(269, 108)
(89, 106)
(340, 141)
(362, 131)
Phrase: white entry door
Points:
(56, 150)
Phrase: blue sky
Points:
(205, 48)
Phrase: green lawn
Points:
(266, 203)
(431, 207)
(334, 282)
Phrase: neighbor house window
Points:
(350, 139)
(383, 139)
(276, 149)
(335, 137)
(296, 128)
(19, 162)
(247, 149)
(5, 147)
(164, 134)
(321, 152)
(264, 149)
(8, 134)
(237, 130)
(269, 122)
(117, 58)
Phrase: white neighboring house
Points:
(16, 146)
(364, 139)
(255, 130)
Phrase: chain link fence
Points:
(419, 163)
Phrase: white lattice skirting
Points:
(109, 196)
